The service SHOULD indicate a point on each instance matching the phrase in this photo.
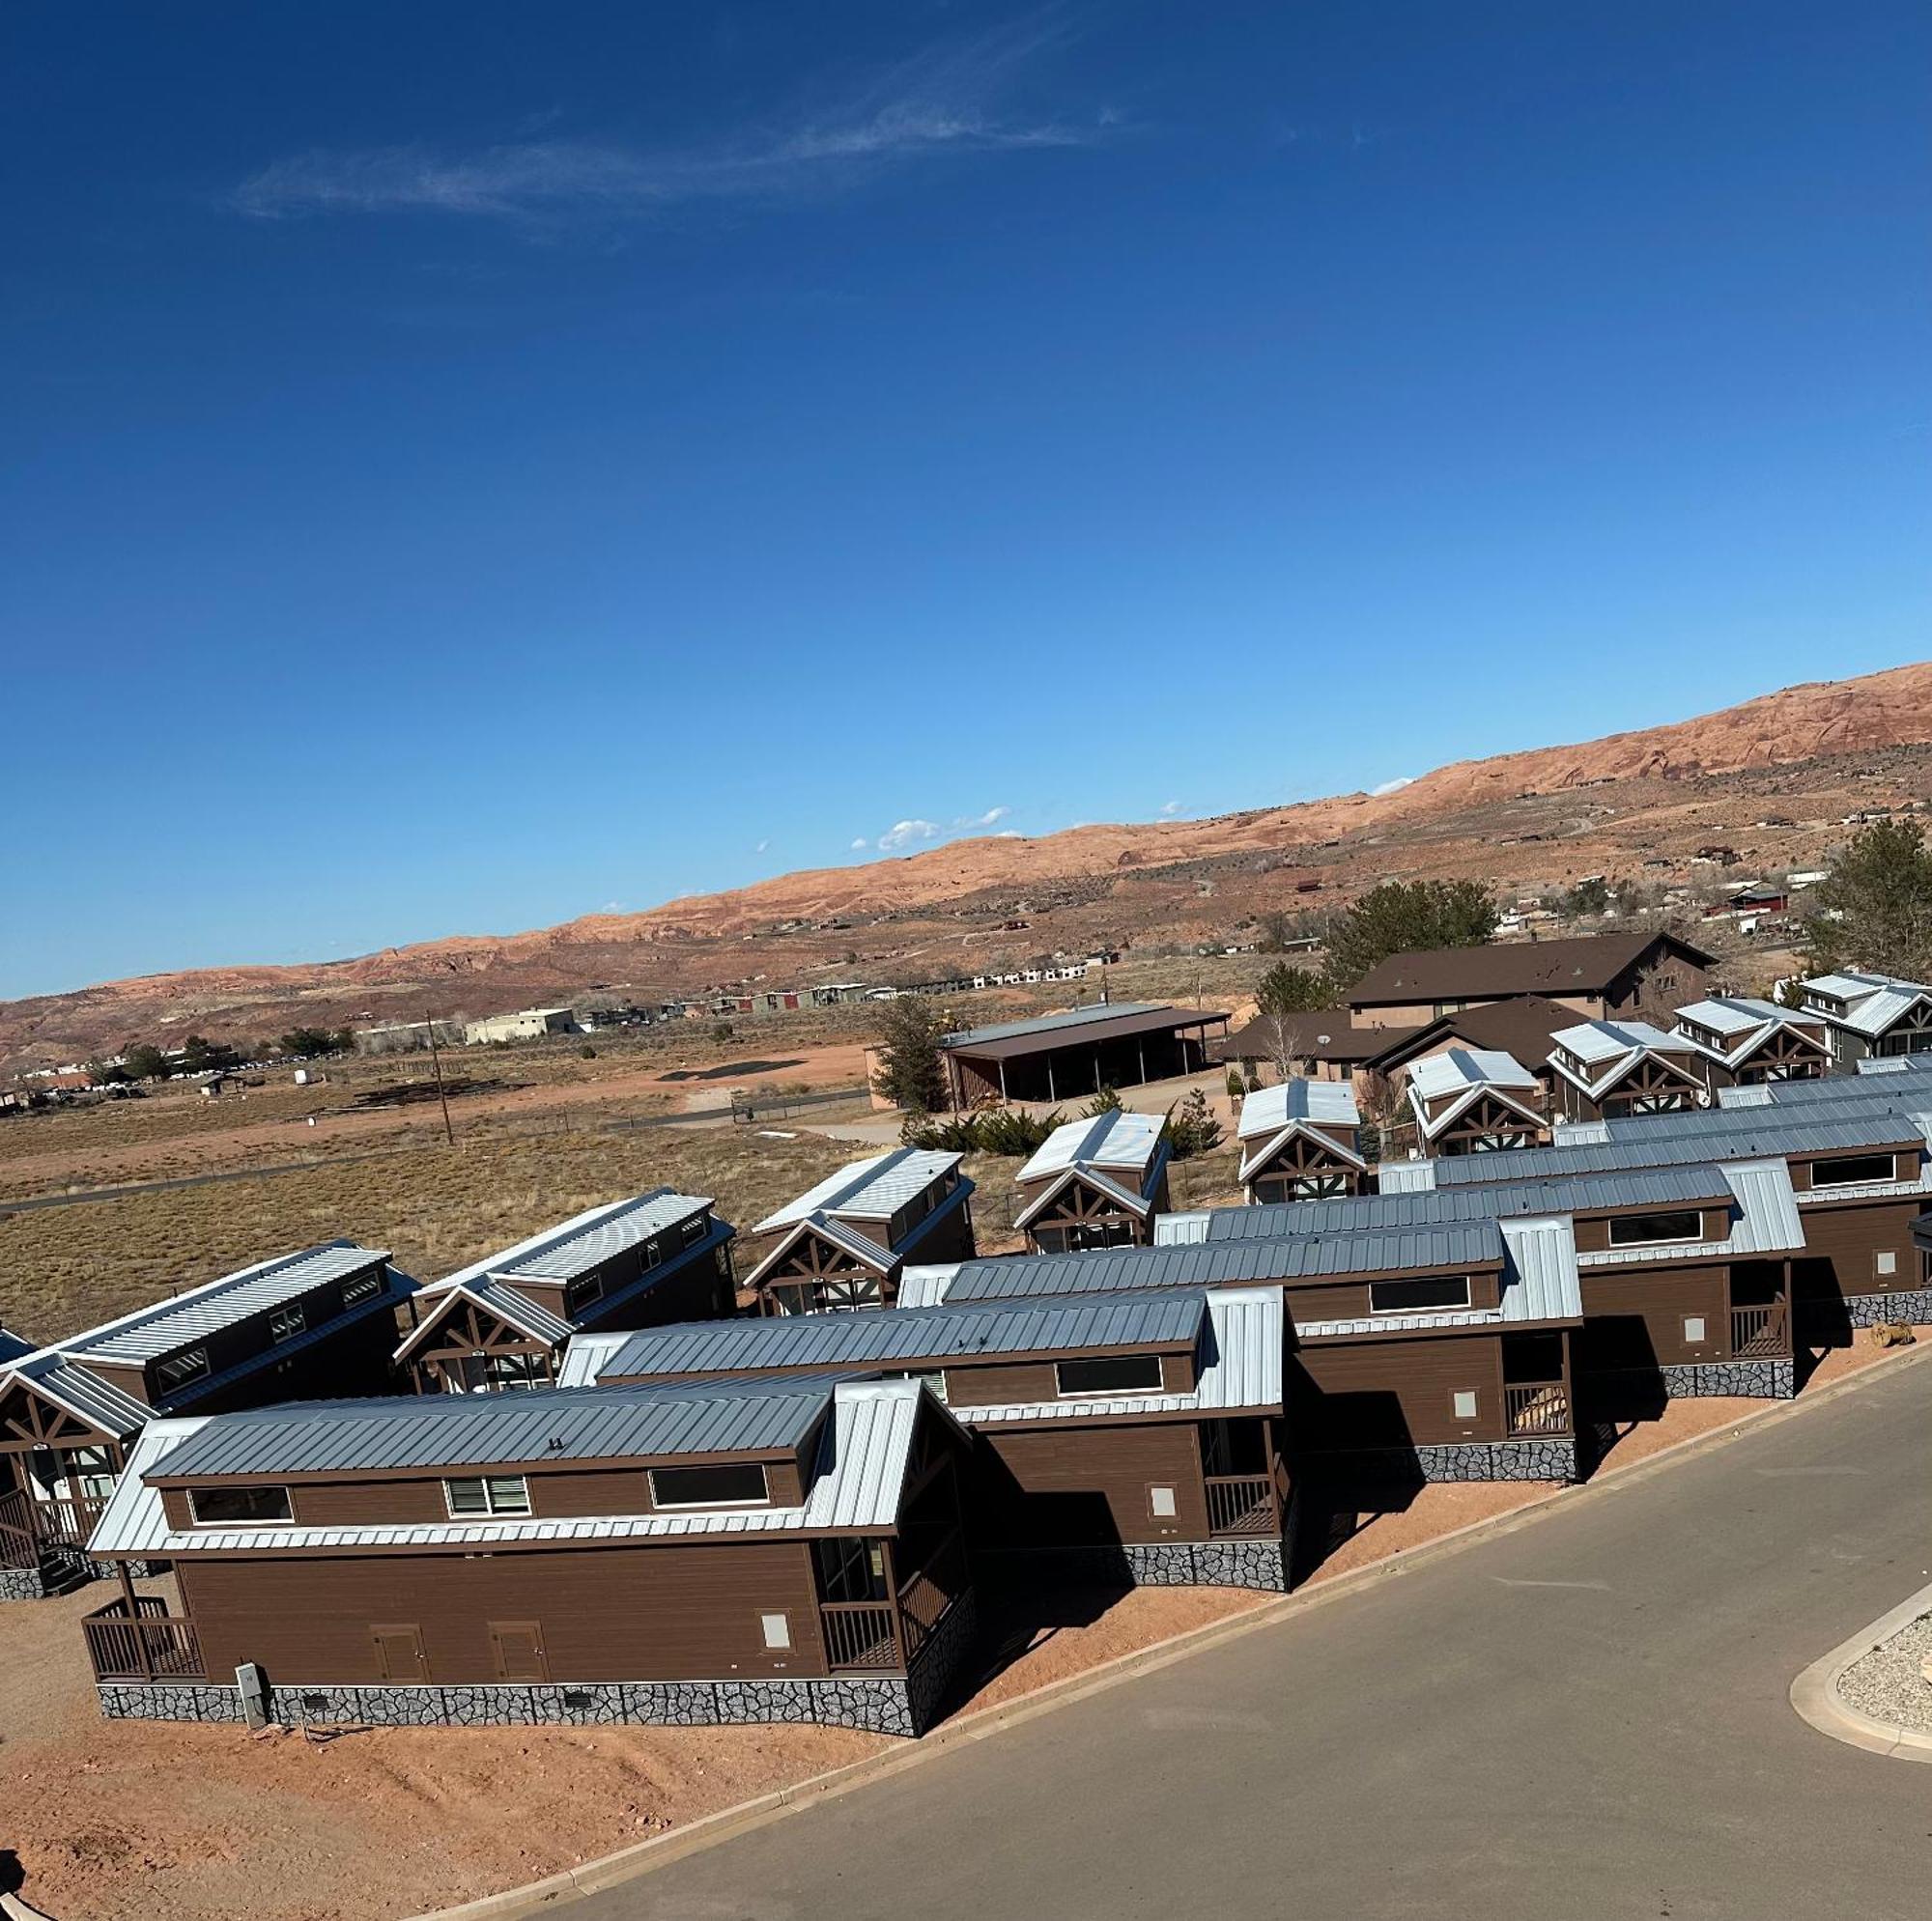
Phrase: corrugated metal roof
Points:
(1598, 1042)
(82, 1393)
(860, 1479)
(1457, 1068)
(12, 1347)
(496, 1297)
(167, 1325)
(1415, 1176)
(1243, 1365)
(1576, 1194)
(437, 1431)
(1073, 1018)
(1325, 1103)
(1459, 1245)
(1540, 1283)
(957, 1331)
(924, 1286)
(869, 1190)
(600, 1234)
(1738, 1014)
(1118, 1138)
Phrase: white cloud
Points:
(992, 817)
(859, 846)
(761, 846)
(944, 100)
(1170, 809)
(903, 833)
(613, 907)
(1394, 787)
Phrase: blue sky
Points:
(467, 465)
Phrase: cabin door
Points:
(518, 1651)
(399, 1653)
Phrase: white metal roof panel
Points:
(1119, 1140)
(872, 1189)
(1324, 1103)
(1541, 1282)
(599, 1235)
(1456, 1068)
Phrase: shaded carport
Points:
(1059, 1057)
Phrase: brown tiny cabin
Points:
(505, 1321)
(777, 1550)
(842, 1243)
(1747, 1042)
(1099, 1181)
(1606, 1070)
(320, 1322)
(1301, 1140)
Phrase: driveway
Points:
(1584, 1718)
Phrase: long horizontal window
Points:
(1648, 1229)
(1853, 1169)
(1430, 1291)
(734, 1484)
(363, 1287)
(1109, 1374)
(180, 1369)
(489, 1494)
(239, 1507)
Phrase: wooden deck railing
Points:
(1242, 1504)
(1537, 1407)
(1759, 1330)
(28, 1526)
(859, 1636)
(150, 1645)
(20, 1544)
(926, 1594)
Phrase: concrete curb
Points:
(1815, 1696)
(647, 1856)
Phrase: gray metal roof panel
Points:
(436, 1432)
(164, 1326)
(600, 1234)
(951, 1332)
(1075, 1018)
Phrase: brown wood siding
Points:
(615, 1613)
(1088, 1487)
(1842, 1245)
(972, 1385)
(1348, 1300)
(1634, 1318)
(1905, 1160)
(1593, 1233)
(1385, 1393)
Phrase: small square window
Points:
(778, 1629)
(1693, 1328)
(1160, 1503)
(1886, 1262)
(1465, 1404)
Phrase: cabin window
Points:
(488, 1494)
(239, 1507)
(653, 1254)
(1109, 1374)
(734, 1484)
(285, 1324)
(363, 1287)
(1853, 1169)
(1160, 1503)
(776, 1630)
(1466, 1403)
(179, 1369)
(91, 1473)
(1646, 1229)
(1693, 1329)
(1885, 1263)
(582, 1292)
(693, 1230)
(1420, 1295)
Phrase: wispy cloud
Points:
(905, 834)
(1169, 809)
(953, 99)
(761, 846)
(992, 817)
(1394, 787)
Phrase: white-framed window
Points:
(776, 1630)
(178, 1369)
(724, 1484)
(1884, 1262)
(1693, 1329)
(1466, 1403)
(1419, 1295)
(1108, 1373)
(487, 1494)
(1161, 1503)
(693, 1230)
(1854, 1170)
(1649, 1229)
(239, 1507)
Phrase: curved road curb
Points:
(647, 1856)
(1815, 1695)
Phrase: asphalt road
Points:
(1585, 1717)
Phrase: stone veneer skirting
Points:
(1261, 1562)
(1913, 1305)
(61, 1570)
(879, 1704)
(1544, 1457)
(1762, 1380)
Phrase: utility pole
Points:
(436, 1062)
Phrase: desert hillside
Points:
(1807, 754)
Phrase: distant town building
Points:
(531, 1024)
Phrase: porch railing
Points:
(1242, 1504)
(28, 1526)
(1759, 1330)
(859, 1636)
(928, 1592)
(1536, 1407)
(148, 1645)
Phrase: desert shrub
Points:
(1191, 1127)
